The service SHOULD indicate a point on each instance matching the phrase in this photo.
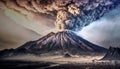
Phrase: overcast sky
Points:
(13, 35)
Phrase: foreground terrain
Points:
(57, 62)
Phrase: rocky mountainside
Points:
(56, 44)
(112, 54)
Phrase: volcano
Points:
(112, 54)
(56, 44)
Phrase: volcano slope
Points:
(56, 44)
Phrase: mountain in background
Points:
(56, 44)
(112, 54)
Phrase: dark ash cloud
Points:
(78, 13)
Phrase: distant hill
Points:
(112, 54)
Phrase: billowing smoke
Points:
(71, 14)
(67, 18)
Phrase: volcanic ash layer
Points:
(69, 14)
(56, 44)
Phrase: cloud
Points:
(38, 23)
(79, 13)
(104, 32)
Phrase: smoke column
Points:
(70, 14)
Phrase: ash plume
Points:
(70, 14)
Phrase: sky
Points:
(17, 29)
(18, 25)
(13, 35)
